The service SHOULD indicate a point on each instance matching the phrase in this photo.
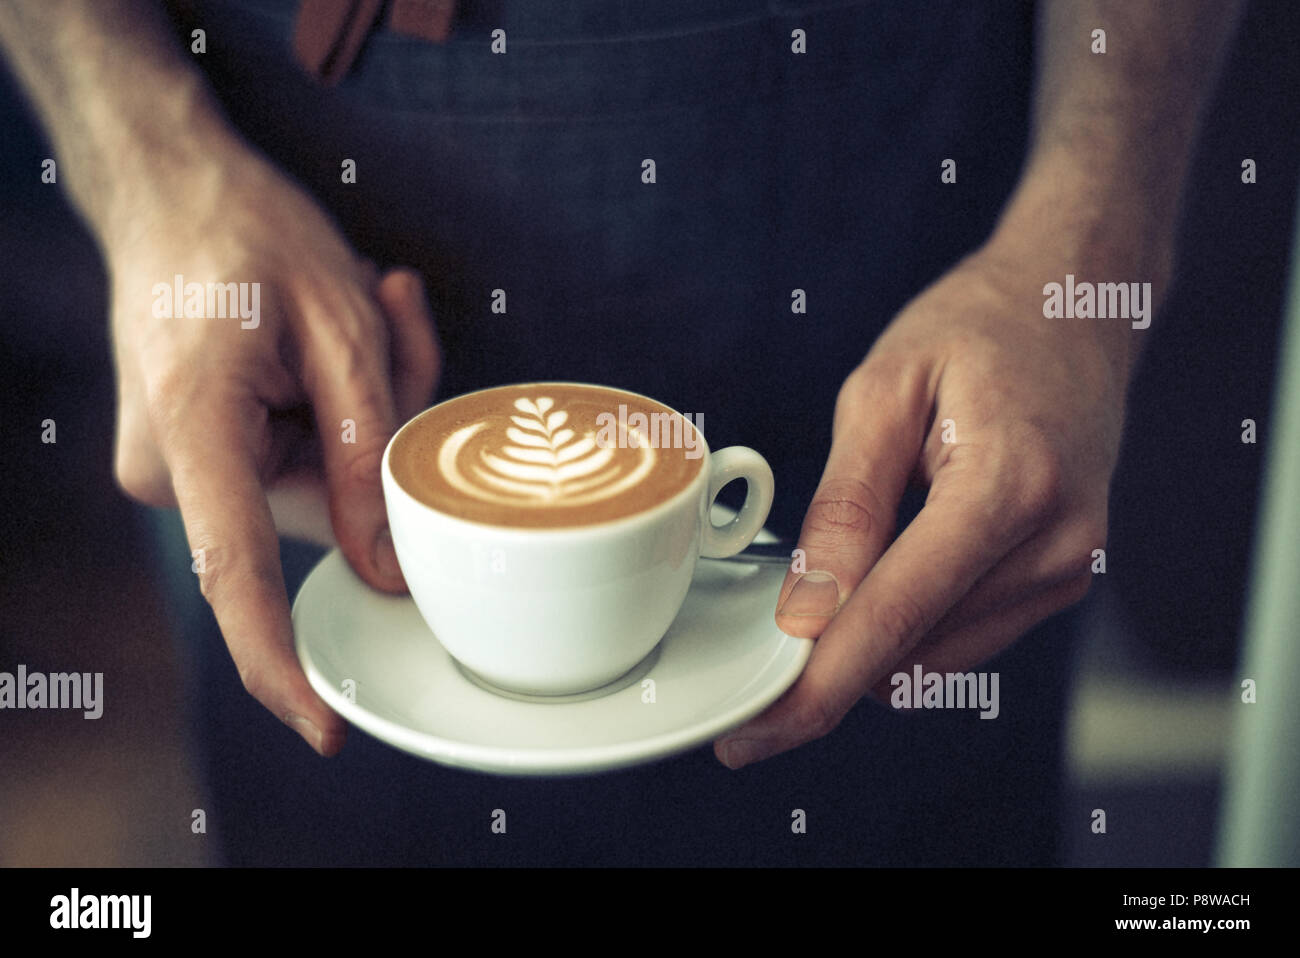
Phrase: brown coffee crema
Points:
(546, 455)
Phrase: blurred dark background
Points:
(1149, 722)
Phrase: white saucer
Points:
(722, 662)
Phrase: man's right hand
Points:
(212, 412)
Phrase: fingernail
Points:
(307, 730)
(386, 556)
(816, 593)
(742, 751)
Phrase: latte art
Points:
(541, 461)
(546, 454)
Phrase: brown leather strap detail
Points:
(427, 19)
(328, 35)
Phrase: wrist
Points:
(157, 160)
(1092, 209)
(1084, 218)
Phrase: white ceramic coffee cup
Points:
(551, 611)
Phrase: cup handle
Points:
(737, 462)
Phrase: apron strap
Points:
(328, 34)
(427, 19)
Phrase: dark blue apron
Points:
(774, 171)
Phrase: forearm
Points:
(121, 103)
(1112, 139)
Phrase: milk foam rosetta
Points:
(542, 461)
(547, 454)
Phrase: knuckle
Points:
(1077, 588)
(361, 465)
(896, 624)
(222, 580)
(213, 576)
(350, 354)
(253, 678)
(815, 717)
(899, 624)
(169, 401)
(330, 354)
(843, 507)
(873, 389)
(854, 394)
(1077, 549)
(1041, 485)
(346, 350)
(141, 478)
(166, 388)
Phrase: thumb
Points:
(876, 440)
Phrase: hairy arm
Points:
(118, 98)
(1112, 136)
